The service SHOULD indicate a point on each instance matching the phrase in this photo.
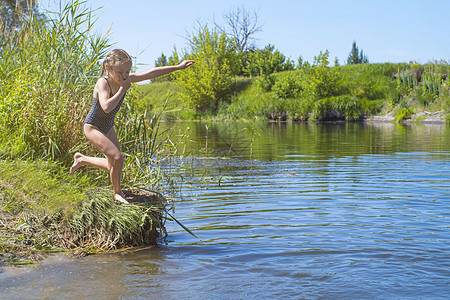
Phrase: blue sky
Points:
(387, 31)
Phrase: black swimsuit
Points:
(99, 118)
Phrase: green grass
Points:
(153, 96)
(49, 209)
(354, 91)
(41, 185)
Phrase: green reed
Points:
(254, 131)
(147, 143)
(47, 70)
(428, 84)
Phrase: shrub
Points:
(263, 62)
(339, 107)
(209, 81)
(321, 81)
(288, 86)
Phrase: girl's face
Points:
(120, 71)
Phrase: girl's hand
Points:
(125, 84)
(183, 65)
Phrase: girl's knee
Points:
(115, 160)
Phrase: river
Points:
(299, 211)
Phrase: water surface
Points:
(336, 211)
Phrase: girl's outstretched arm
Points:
(159, 71)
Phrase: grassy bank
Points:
(43, 209)
(48, 69)
(351, 92)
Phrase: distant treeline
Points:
(230, 84)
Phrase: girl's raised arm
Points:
(159, 71)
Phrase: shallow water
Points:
(320, 211)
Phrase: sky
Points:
(387, 31)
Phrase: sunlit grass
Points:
(361, 90)
(48, 70)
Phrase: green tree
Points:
(160, 62)
(322, 81)
(14, 13)
(209, 81)
(356, 56)
(263, 62)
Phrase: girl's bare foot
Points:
(76, 163)
(120, 198)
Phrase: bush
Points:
(340, 107)
(209, 81)
(288, 86)
(263, 62)
(320, 80)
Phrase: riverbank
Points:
(425, 117)
(44, 210)
(404, 91)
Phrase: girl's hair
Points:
(115, 56)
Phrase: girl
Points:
(109, 92)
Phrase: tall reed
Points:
(147, 143)
(47, 71)
(428, 84)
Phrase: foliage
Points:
(349, 92)
(99, 223)
(427, 85)
(47, 70)
(340, 107)
(263, 62)
(160, 62)
(15, 13)
(288, 86)
(403, 113)
(356, 56)
(51, 209)
(145, 144)
(321, 80)
(43, 185)
(209, 82)
(153, 96)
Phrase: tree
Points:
(263, 62)
(14, 13)
(322, 81)
(241, 24)
(161, 61)
(209, 82)
(356, 57)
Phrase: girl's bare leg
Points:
(116, 178)
(83, 160)
(113, 163)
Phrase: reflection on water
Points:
(322, 211)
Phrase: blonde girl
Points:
(109, 92)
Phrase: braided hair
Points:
(115, 56)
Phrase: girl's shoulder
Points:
(103, 85)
